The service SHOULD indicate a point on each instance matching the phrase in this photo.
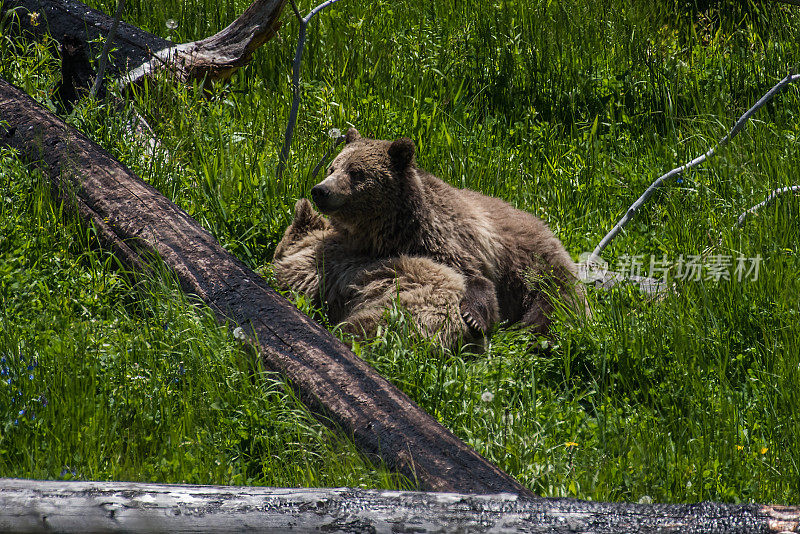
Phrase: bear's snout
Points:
(322, 197)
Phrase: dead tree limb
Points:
(137, 222)
(595, 257)
(87, 507)
(101, 69)
(216, 57)
(141, 54)
(77, 20)
(767, 201)
(298, 59)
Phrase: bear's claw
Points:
(470, 321)
(479, 305)
(473, 322)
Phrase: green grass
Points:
(565, 109)
(106, 378)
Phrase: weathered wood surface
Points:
(140, 54)
(70, 17)
(217, 57)
(87, 507)
(137, 222)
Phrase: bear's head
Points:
(368, 183)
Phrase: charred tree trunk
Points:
(61, 18)
(86, 507)
(218, 56)
(137, 222)
(141, 54)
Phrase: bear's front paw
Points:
(479, 307)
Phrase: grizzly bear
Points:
(357, 290)
(381, 205)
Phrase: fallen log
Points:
(87, 507)
(137, 222)
(216, 57)
(140, 54)
(58, 18)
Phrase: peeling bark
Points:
(86, 507)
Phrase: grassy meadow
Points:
(565, 109)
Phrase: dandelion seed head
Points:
(334, 133)
(239, 334)
(172, 24)
(487, 396)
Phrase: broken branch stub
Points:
(216, 57)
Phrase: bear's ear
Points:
(305, 218)
(402, 152)
(351, 135)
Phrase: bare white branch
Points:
(598, 251)
(298, 57)
(772, 196)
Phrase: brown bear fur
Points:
(357, 289)
(381, 205)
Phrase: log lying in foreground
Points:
(136, 221)
(86, 507)
(140, 54)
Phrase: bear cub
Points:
(357, 289)
(381, 205)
